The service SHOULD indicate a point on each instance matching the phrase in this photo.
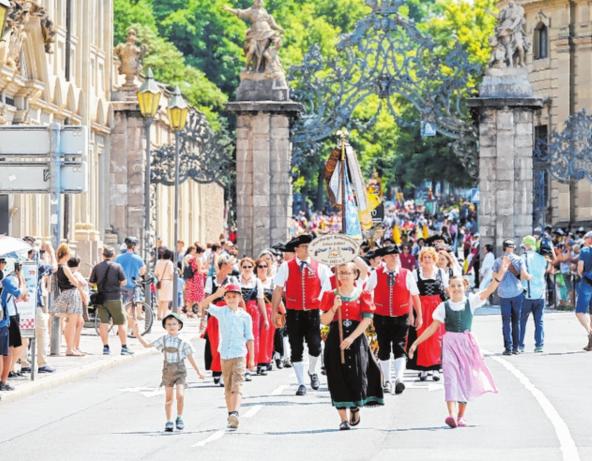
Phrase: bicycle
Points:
(138, 310)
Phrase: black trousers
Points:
(391, 333)
(304, 326)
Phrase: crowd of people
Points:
(415, 285)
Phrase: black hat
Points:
(174, 316)
(371, 254)
(509, 243)
(299, 240)
(387, 250)
(430, 240)
(282, 248)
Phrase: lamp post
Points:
(4, 7)
(177, 110)
(148, 100)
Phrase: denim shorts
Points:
(4, 342)
(584, 294)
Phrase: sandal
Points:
(354, 418)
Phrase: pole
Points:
(147, 209)
(176, 225)
(342, 173)
(55, 171)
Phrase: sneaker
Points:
(399, 387)
(6, 387)
(126, 351)
(180, 425)
(538, 349)
(106, 350)
(301, 390)
(515, 352)
(169, 426)
(507, 352)
(314, 381)
(45, 369)
(387, 388)
(233, 420)
(25, 369)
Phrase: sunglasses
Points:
(262, 267)
(247, 267)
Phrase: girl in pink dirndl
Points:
(465, 374)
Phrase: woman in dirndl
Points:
(69, 302)
(253, 296)
(266, 334)
(466, 375)
(357, 382)
(432, 283)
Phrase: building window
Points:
(541, 42)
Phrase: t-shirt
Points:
(536, 265)
(184, 348)
(510, 285)
(474, 302)
(9, 293)
(131, 264)
(110, 287)
(586, 257)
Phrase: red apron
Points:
(429, 353)
(253, 310)
(214, 338)
(266, 338)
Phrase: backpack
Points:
(546, 246)
(188, 272)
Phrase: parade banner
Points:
(333, 249)
(26, 309)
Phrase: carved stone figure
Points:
(510, 43)
(130, 57)
(263, 40)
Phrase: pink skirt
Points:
(465, 374)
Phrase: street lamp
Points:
(4, 7)
(177, 110)
(149, 101)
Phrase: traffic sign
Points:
(34, 141)
(35, 178)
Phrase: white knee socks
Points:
(299, 370)
(312, 364)
(385, 366)
(400, 365)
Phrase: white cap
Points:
(588, 235)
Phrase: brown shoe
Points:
(589, 346)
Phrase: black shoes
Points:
(399, 387)
(314, 381)
(507, 352)
(301, 390)
(279, 364)
(589, 346)
(344, 426)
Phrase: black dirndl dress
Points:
(357, 383)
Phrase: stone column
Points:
(263, 182)
(506, 107)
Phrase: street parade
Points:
(296, 230)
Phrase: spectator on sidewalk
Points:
(109, 278)
(584, 293)
(13, 291)
(2, 267)
(164, 271)
(511, 295)
(534, 295)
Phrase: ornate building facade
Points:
(560, 70)
(57, 64)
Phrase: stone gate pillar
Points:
(506, 106)
(263, 161)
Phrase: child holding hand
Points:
(174, 373)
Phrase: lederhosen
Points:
(429, 353)
(173, 373)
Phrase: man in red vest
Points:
(394, 290)
(303, 282)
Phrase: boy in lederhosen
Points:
(174, 373)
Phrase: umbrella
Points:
(10, 245)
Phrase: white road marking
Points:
(145, 391)
(567, 444)
(249, 414)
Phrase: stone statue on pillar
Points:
(263, 73)
(510, 42)
(130, 57)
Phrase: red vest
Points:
(303, 288)
(392, 301)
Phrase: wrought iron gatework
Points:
(204, 156)
(388, 57)
(568, 154)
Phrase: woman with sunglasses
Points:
(266, 344)
(354, 382)
(253, 296)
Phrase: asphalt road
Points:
(543, 412)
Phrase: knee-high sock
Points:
(385, 366)
(312, 364)
(286, 347)
(400, 365)
(299, 370)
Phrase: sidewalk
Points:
(70, 369)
